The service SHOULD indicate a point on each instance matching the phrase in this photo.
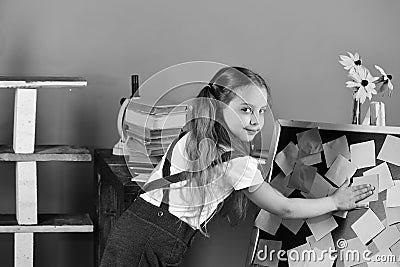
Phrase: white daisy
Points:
(387, 83)
(349, 62)
(363, 81)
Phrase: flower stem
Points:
(356, 112)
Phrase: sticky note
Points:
(395, 249)
(320, 187)
(393, 195)
(387, 238)
(302, 177)
(385, 177)
(268, 222)
(353, 244)
(309, 142)
(334, 148)
(294, 255)
(323, 244)
(286, 158)
(321, 225)
(312, 159)
(280, 183)
(367, 226)
(363, 154)
(390, 150)
(392, 214)
(341, 213)
(340, 170)
(293, 225)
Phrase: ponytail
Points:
(202, 148)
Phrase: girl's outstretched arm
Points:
(345, 198)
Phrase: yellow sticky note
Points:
(393, 195)
(352, 253)
(320, 187)
(302, 177)
(387, 238)
(321, 225)
(367, 226)
(385, 177)
(340, 170)
(323, 244)
(390, 150)
(392, 214)
(293, 225)
(309, 142)
(268, 222)
(286, 158)
(280, 183)
(334, 148)
(294, 255)
(363, 154)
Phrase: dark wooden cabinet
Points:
(114, 191)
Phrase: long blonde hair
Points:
(209, 134)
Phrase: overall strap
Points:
(168, 179)
(166, 171)
(162, 182)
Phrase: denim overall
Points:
(147, 235)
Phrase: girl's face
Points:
(244, 116)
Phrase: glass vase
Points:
(356, 112)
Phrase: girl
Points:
(207, 165)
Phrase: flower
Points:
(351, 61)
(364, 81)
(387, 83)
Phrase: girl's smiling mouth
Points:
(252, 131)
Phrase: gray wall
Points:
(294, 44)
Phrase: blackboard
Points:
(285, 131)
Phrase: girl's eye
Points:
(247, 110)
(262, 111)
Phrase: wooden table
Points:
(114, 191)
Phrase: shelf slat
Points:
(48, 223)
(32, 82)
(47, 153)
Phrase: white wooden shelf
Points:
(25, 154)
(47, 153)
(7, 82)
(48, 223)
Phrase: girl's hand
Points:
(346, 197)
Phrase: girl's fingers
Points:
(363, 190)
(354, 188)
